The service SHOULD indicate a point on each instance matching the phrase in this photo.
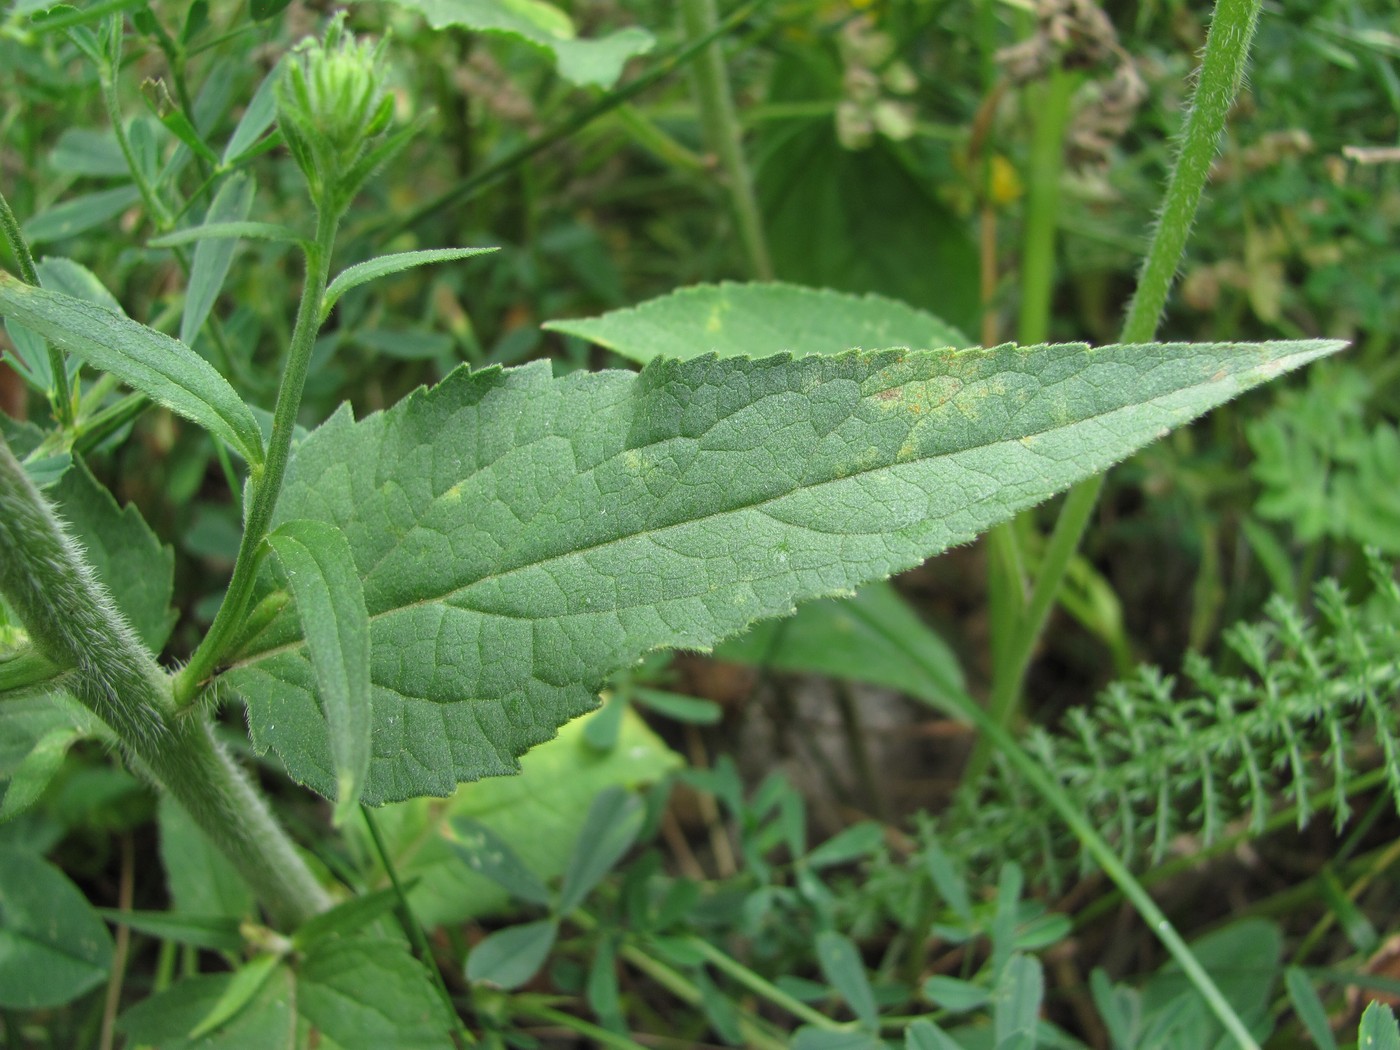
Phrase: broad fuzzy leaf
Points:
(521, 537)
(757, 319)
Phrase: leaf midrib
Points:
(300, 643)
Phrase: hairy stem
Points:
(267, 484)
(72, 622)
(722, 131)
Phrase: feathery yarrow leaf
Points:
(1296, 727)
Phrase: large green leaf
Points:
(521, 537)
(758, 319)
(545, 26)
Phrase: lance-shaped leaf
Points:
(213, 257)
(372, 269)
(164, 369)
(521, 537)
(331, 608)
(755, 319)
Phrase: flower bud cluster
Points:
(331, 107)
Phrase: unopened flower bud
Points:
(331, 104)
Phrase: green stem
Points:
(72, 622)
(679, 985)
(596, 1035)
(107, 78)
(1006, 579)
(409, 923)
(60, 397)
(267, 483)
(1222, 71)
(1052, 113)
(755, 983)
(1103, 854)
(722, 132)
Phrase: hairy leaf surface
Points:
(521, 537)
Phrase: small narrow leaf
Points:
(227, 231)
(79, 214)
(757, 319)
(330, 603)
(510, 957)
(212, 258)
(1309, 1008)
(925, 1035)
(1017, 1003)
(350, 917)
(372, 269)
(179, 125)
(845, 970)
(247, 980)
(954, 994)
(162, 368)
(608, 832)
(261, 111)
(212, 932)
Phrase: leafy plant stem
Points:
(596, 1034)
(72, 622)
(1006, 579)
(755, 983)
(1052, 112)
(107, 77)
(409, 923)
(62, 397)
(267, 484)
(1103, 854)
(722, 132)
(1221, 73)
(664, 67)
(685, 990)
